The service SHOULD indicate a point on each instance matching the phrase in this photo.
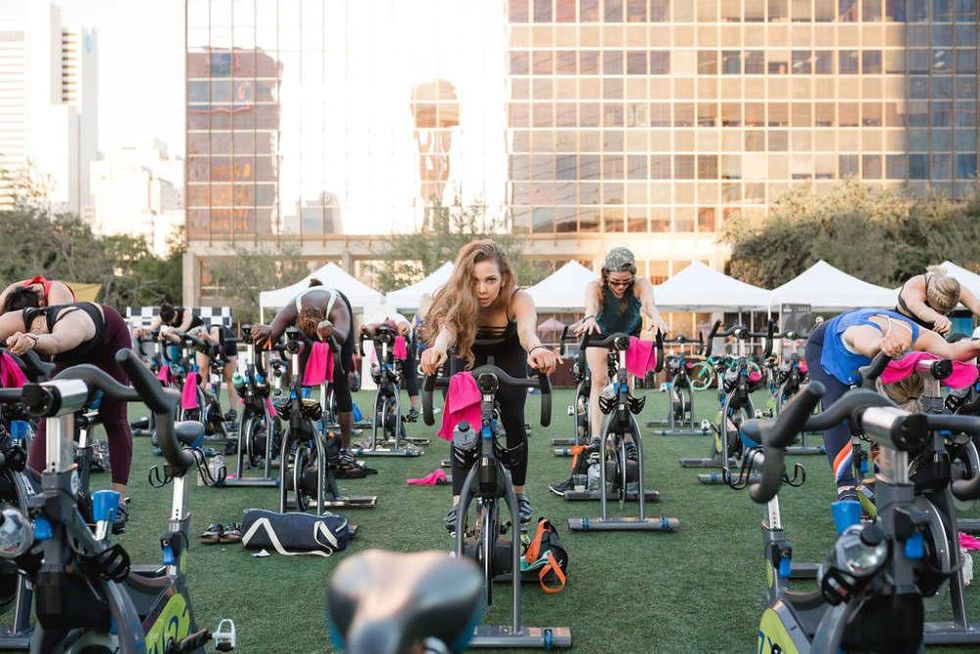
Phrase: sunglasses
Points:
(618, 284)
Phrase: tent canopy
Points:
(332, 276)
(563, 290)
(700, 288)
(826, 288)
(410, 296)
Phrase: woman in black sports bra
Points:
(928, 298)
(71, 334)
(482, 312)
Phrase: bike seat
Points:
(385, 602)
(188, 431)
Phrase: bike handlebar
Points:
(871, 372)
(542, 383)
(32, 365)
(907, 432)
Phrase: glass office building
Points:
(583, 124)
(638, 117)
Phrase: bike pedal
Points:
(225, 636)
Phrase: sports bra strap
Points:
(333, 298)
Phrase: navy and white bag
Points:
(294, 534)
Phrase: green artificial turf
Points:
(700, 589)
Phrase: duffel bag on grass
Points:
(293, 534)
(545, 556)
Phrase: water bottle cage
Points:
(111, 564)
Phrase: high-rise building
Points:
(48, 115)
(649, 122)
(584, 124)
(138, 190)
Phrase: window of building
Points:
(966, 165)
(707, 62)
(755, 62)
(847, 165)
(848, 62)
(826, 11)
(588, 62)
(778, 11)
(871, 10)
(802, 62)
(895, 11)
(731, 62)
(778, 62)
(848, 11)
(918, 166)
(778, 114)
(707, 114)
(802, 13)
(871, 62)
(823, 62)
(660, 62)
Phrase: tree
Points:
(446, 229)
(880, 236)
(247, 273)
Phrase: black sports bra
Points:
(903, 308)
(53, 314)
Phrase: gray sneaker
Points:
(524, 508)
(450, 520)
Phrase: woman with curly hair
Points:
(483, 313)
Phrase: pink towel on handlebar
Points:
(319, 367)
(401, 348)
(188, 398)
(11, 376)
(641, 357)
(964, 374)
(164, 374)
(462, 403)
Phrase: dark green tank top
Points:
(620, 314)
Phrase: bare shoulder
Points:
(642, 287)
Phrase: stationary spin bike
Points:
(579, 409)
(259, 430)
(388, 419)
(872, 585)
(621, 444)
(88, 596)
(305, 471)
(487, 483)
(680, 392)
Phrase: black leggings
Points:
(410, 373)
(837, 439)
(511, 358)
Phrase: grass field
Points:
(700, 589)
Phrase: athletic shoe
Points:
(524, 508)
(346, 459)
(231, 416)
(559, 488)
(631, 451)
(450, 520)
(847, 494)
(412, 415)
(232, 534)
(212, 535)
(122, 517)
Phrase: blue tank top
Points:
(836, 359)
(619, 314)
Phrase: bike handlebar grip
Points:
(428, 385)
(97, 379)
(700, 343)
(871, 372)
(163, 403)
(660, 351)
(544, 384)
(711, 338)
(941, 369)
(561, 341)
(778, 437)
(769, 338)
(41, 369)
(10, 395)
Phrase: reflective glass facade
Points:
(652, 116)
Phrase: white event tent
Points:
(410, 296)
(700, 288)
(562, 290)
(826, 288)
(332, 276)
